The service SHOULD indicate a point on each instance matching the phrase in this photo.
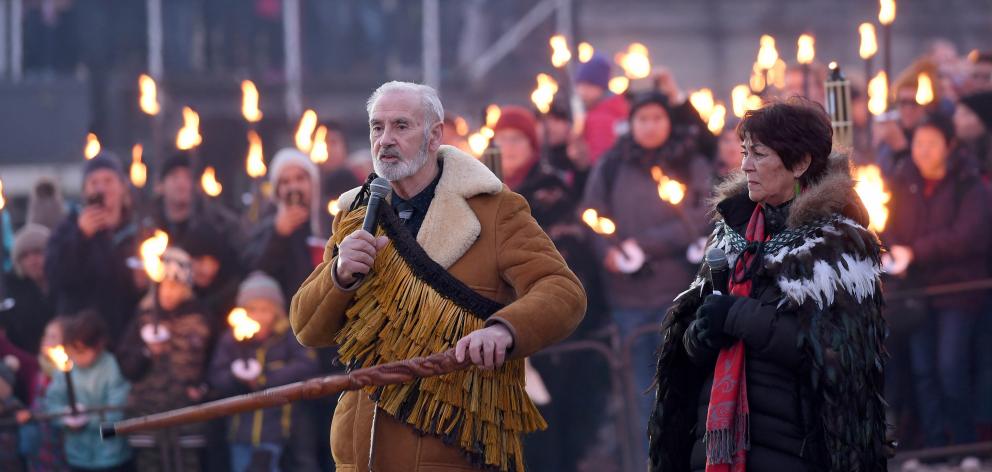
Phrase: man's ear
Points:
(434, 138)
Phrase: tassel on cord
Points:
(483, 412)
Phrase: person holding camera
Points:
(86, 262)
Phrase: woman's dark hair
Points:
(793, 128)
(940, 122)
(87, 328)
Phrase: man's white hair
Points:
(433, 110)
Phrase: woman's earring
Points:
(799, 188)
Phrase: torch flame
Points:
(753, 102)
(3, 201)
(618, 85)
(544, 94)
(254, 164)
(59, 358)
(924, 89)
(886, 11)
(151, 255)
(871, 189)
(209, 182)
(493, 113)
(738, 99)
(560, 54)
(478, 143)
(585, 52)
(635, 61)
(776, 76)
(304, 132)
(461, 126)
(669, 189)
(869, 45)
(249, 102)
(319, 153)
(767, 54)
(189, 135)
(332, 208)
(599, 224)
(92, 146)
(757, 81)
(878, 92)
(702, 101)
(807, 50)
(244, 326)
(717, 119)
(148, 100)
(139, 172)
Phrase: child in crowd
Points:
(97, 383)
(271, 357)
(42, 442)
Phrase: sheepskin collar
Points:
(450, 226)
(834, 194)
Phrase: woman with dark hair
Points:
(783, 369)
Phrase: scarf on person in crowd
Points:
(410, 306)
(727, 416)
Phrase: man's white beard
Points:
(400, 169)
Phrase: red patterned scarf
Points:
(727, 437)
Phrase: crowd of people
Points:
(76, 278)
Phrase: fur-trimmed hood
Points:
(450, 226)
(832, 194)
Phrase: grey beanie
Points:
(257, 285)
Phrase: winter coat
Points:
(605, 122)
(813, 335)
(287, 259)
(92, 273)
(484, 236)
(100, 385)
(32, 310)
(623, 189)
(948, 231)
(284, 360)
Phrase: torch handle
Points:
(387, 374)
(71, 392)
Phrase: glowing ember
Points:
(669, 189)
(585, 52)
(92, 146)
(139, 172)
(618, 85)
(878, 94)
(151, 251)
(560, 55)
(544, 94)
(59, 358)
(209, 182)
(635, 61)
(189, 135)
(493, 113)
(478, 143)
(249, 102)
(886, 11)
(869, 45)
(924, 89)
(599, 224)
(871, 189)
(243, 326)
(254, 163)
(332, 208)
(702, 101)
(767, 54)
(319, 153)
(148, 99)
(304, 132)
(807, 50)
(717, 119)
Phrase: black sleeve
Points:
(132, 356)
(769, 333)
(701, 354)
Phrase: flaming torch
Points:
(878, 93)
(560, 54)
(804, 56)
(702, 101)
(332, 208)
(618, 85)
(871, 189)
(669, 189)
(209, 183)
(188, 136)
(249, 102)
(717, 119)
(319, 153)
(586, 52)
(255, 167)
(139, 172)
(635, 61)
(887, 15)
(867, 50)
(148, 100)
(924, 89)
(305, 130)
(151, 251)
(92, 146)
(544, 94)
(61, 361)
(244, 328)
(631, 257)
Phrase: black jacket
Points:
(32, 310)
(285, 258)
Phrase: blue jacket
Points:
(98, 385)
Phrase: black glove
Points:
(710, 318)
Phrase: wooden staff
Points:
(386, 374)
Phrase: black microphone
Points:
(716, 260)
(379, 190)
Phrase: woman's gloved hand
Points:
(710, 318)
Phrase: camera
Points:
(95, 200)
(295, 197)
